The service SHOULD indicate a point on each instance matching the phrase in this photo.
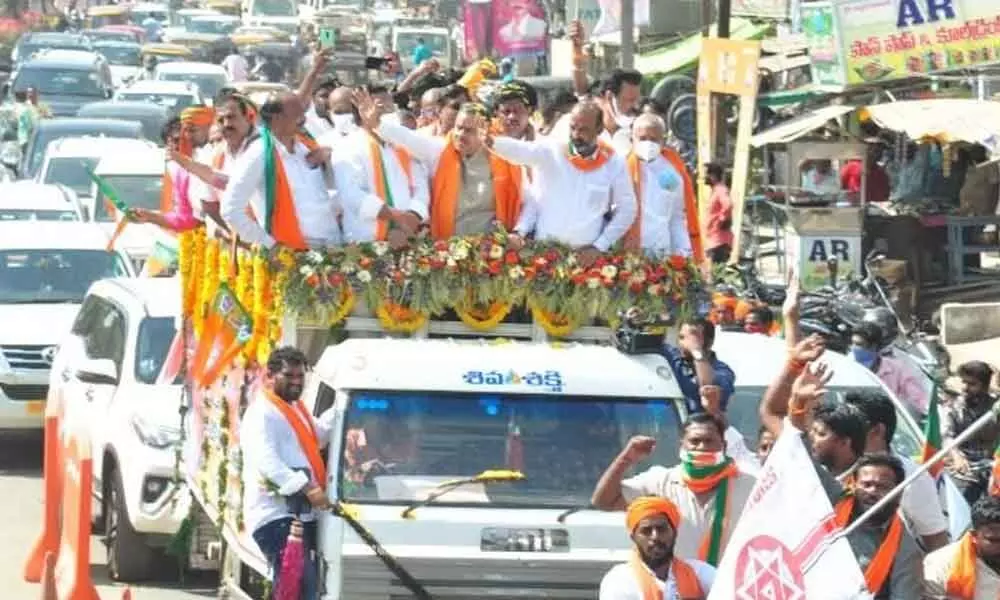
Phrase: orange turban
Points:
(201, 116)
(651, 506)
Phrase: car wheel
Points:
(129, 558)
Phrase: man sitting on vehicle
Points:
(969, 569)
(866, 345)
(654, 571)
(284, 476)
(970, 463)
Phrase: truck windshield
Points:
(71, 172)
(53, 275)
(273, 8)
(138, 191)
(398, 446)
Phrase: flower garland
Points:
(209, 283)
(185, 259)
(480, 317)
(260, 310)
(400, 319)
(192, 298)
(554, 324)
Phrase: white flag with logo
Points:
(783, 547)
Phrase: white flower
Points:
(496, 252)
(314, 257)
(451, 262)
(593, 283)
(609, 271)
(364, 276)
(380, 248)
(459, 252)
(306, 270)
(516, 272)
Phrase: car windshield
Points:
(45, 136)
(207, 83)
(173, 102)
(273, 8)
(71, 172)
(31, 214)
(112, 36)
(406, 42)
(137, 191)
(126, 56)
(53, 275)
(562, 444)
(25, 50)
(742, 412)
(60, 82)
(155, 337)
(139, 16)
(212, 26)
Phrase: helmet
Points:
(885, 320)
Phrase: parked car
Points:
(210, 77)
(152, 116)
(124, 59)
(31, 42)
(175, 96)
(45, 271)
(65, 79)
(49, 130)
(114, 376)
(30, 201)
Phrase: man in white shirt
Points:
(583, 179)
(342, 118)
(301, 209)
(389, 198)
(237, 67)
(284, 476)
(318, 121)
(524, 28)
(653, 524)
(661, 225)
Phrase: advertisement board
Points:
(762, 9)
(883, 40)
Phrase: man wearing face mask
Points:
(653, 571)
(583, 181)
(866, 349)
(666, 221)
(342, 116)
(707, 487)
(968, 569)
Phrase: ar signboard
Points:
(882, 40)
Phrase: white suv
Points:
(117, 377)
(45, 270)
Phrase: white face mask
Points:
(343, 121)
(647, 150)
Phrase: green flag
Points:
(932, 433)
(107, 190)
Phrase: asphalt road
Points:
(21, 518)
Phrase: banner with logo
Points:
(785, 544)
(883, 40)
(609, 20)
(519, 28)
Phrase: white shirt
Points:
(355, 175)
(736, 447)
(620, 582)
(314, 205)
(316, 125)
(270, 453)
(920, 504)
(236, 67)
(575, 202)
(663, 230)
(342, 128)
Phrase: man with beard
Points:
(281, 444)
(970, 463)
(707, 488)
(515, 102)
(584, 179)
(654, 572)
(317, 116)
(969, 569)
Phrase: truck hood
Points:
(36, 324)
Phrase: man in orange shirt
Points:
(719, 231)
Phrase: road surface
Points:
(21, 510)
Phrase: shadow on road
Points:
(21, 453)
(195, 584)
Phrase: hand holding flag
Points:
(106, 190)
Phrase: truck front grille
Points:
(26, 357)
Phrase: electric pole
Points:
(628, 34)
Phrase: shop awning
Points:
(683, 54)
(799, 126)
(945, 119)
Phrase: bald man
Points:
(437, 113)
(583, 178)
(340, 110)
(666, 220)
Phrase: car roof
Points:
(198, 12)
(54, 36)
(33, 235)
(218, 17)
(30, 194)
(59, 58)
(146, 86)
(150, 6)
(116, 44)
(190, 67)
(127, 107)
(87, 146)
(146, 161)
(159, 296)
(85, 124)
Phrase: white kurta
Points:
(360, 202)
(937, 568)
(620, 583)
(314, 205)
(663, 226)
(316, 125)
(271, 453)
(572, 203)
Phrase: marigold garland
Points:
(194, 288)
(400, 319)
(244, 278)
(261, 310)
(185, 257)
(209, 282)
(481, 317)
(554, 324)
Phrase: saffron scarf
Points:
(382, 188)
(961, 583)
(280, 218)
(299, 419)
(685, 580)
(447, 183)
(598, 160)
(701, 479)
(633, 235)
(880, 566)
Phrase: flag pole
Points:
(970, 431)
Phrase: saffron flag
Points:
(995, 475)
(785, 546)
(162, 260)
(228, 326)
(172, 363)
(932, 434)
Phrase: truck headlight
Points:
(153, 435)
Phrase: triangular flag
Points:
(228, 326)
(106, 190)
(932, 434)
(162, 260)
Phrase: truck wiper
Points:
(489, 476)
(572, 511)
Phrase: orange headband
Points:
(651, 506)
(201, 116)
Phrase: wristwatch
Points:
(698, 355)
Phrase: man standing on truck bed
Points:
(281, 451)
